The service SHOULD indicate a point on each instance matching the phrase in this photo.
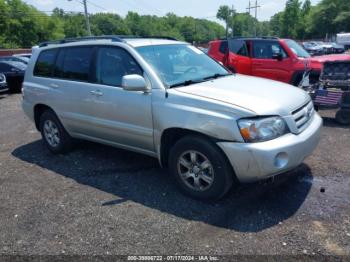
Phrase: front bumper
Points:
(256, 161)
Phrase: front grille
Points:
(303, 115)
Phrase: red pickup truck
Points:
(278, 59)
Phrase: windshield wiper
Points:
(215, 76)
(186, 83)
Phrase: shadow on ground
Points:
(134, 177)
(331, 122)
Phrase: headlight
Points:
(262, 129)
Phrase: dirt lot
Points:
(101, 200)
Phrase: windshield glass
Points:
(181, 64)
(297, 49)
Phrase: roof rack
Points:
(251, 37)
(113, 38)
(141, 37)
(84, 38)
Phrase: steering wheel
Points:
(192, 69)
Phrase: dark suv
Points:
(278, 59)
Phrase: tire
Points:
(343, 116)
(212, 171)
(55, 137)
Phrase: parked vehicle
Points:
(327, 47)
(21, 59)
(14, 72)
(277, 59)
(27, 55)
(3, 83)
(344, 39)
(313, 49)
(338, 49)
(169, 100)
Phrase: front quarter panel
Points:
(205, 116)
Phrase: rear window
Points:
(45, 63)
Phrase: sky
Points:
(196, 8)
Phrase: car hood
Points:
(259, 95)
(329, 58)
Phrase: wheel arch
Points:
(171, 135)
(39, 109)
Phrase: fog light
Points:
(281, 160)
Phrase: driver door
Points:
(122, 117)
(264, 63)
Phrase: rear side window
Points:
(74, 63)
(45, 63)
(112, 64)
(223, 47)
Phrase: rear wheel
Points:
(55, 137)
(200, 168)
(343, 116)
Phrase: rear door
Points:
(265, 65)
(69, 86)
(238, 58)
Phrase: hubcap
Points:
(195, 170)
(51, 133)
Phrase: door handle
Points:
(53, 85)
(96, 93)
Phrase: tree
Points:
(291, 19)
(225, 13)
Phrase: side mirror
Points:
(278, 56)
(134, 83)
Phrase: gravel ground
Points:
(101, 200)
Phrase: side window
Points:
(277, 49)
(266, 50)
(223, 47)
(45, 63)
(238, 47)
(74, 63)
(112, 64)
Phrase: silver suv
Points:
(169, 100)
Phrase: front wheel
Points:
(200, 168)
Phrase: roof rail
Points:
(250, 37)
(154, 37)
(84, 38)
(113, 38)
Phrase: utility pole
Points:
(256, 14)
(87, 21)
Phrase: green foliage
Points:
(302, 20)
(22, 25)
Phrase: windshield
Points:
(297, 49)
(181, 64)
